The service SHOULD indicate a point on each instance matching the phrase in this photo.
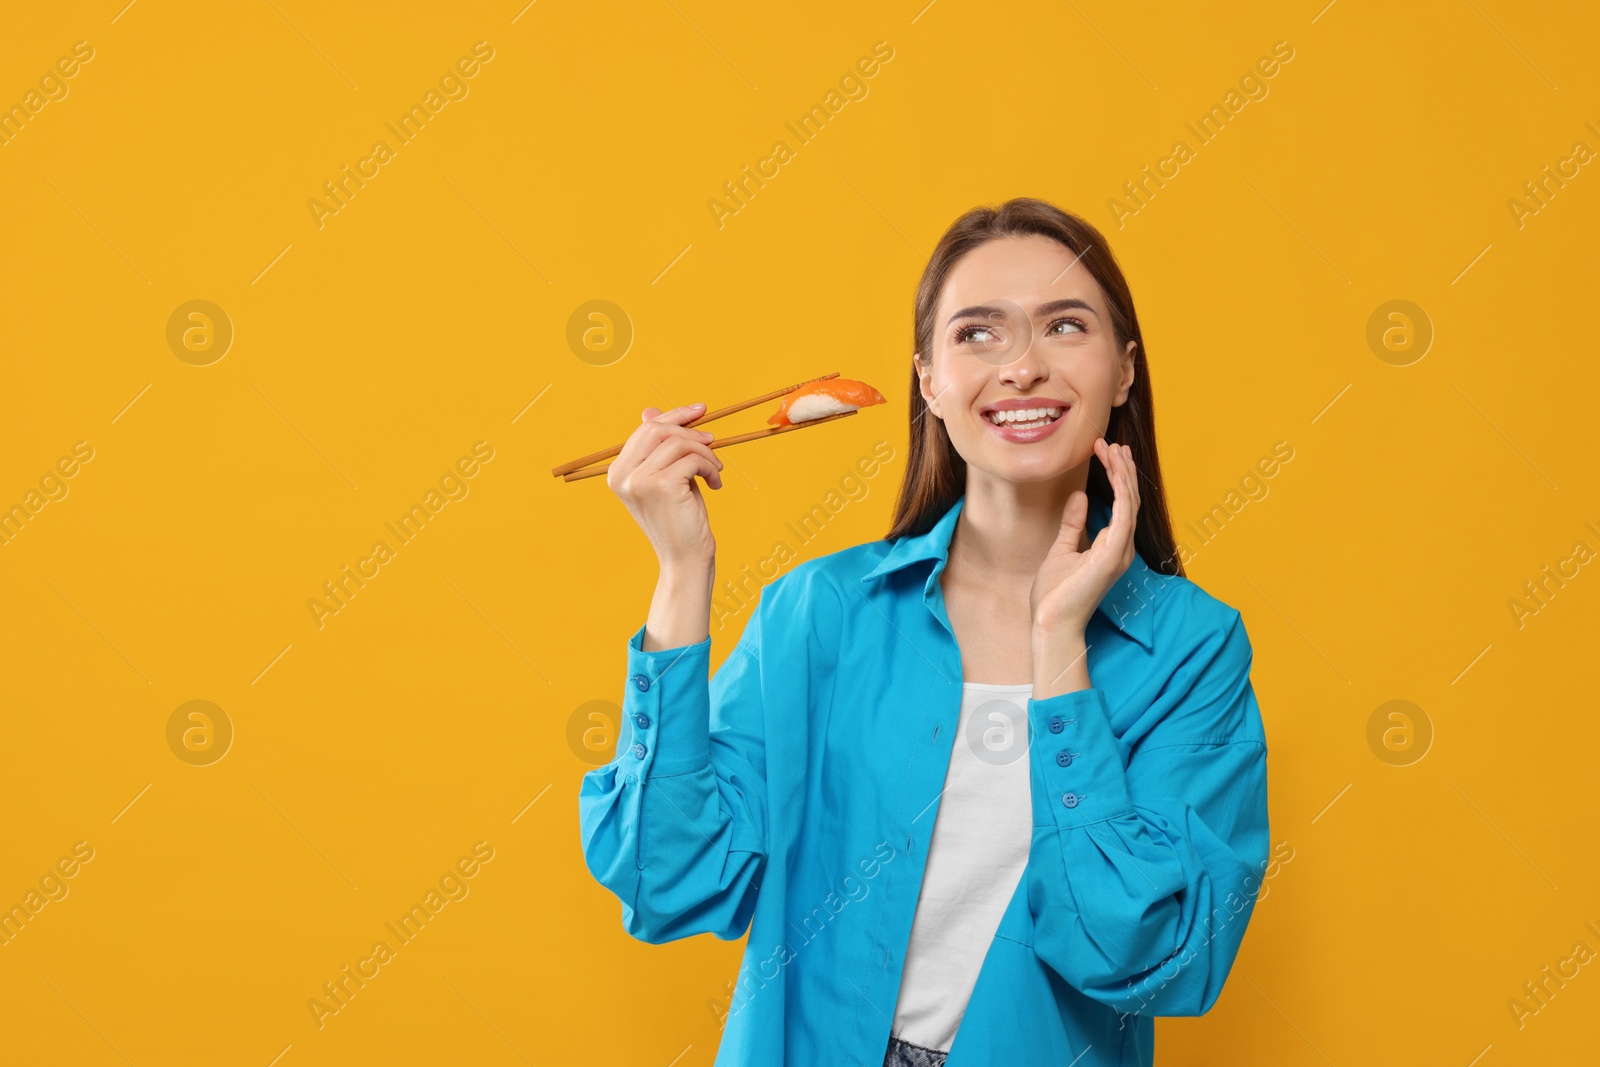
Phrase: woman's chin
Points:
(1024, 470)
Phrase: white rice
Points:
(816, 406)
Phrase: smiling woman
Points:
(1051, 726)
(1081, 319)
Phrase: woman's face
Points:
(1020, 322)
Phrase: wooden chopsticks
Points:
(721, 442)
(571, 471)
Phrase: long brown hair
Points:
(936, 475)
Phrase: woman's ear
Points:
(924, 386)
(1128, 374)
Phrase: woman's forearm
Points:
(680, 611)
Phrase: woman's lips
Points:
(1021, 436)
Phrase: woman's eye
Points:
(1077, 327)
(964, 335)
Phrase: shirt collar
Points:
(1126, 605)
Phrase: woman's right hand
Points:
(654, 476)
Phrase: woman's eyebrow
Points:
(1053, 306)
(1063, 305)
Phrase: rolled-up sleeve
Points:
(675, 824)
(1146, 864)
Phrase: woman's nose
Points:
(1023, 373)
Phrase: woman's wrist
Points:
(680, 610)
(687, 572)
(1060, 661)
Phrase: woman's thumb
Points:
(1073, 516)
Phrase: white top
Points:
(975, 861)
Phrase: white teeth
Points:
(1023, 416)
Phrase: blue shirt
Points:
(799, 786)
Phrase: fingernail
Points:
(698, 404)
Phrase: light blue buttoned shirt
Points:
(799, 785)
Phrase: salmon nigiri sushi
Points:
(830, 396)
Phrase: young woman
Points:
(992, 789)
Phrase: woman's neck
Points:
(1005, 529)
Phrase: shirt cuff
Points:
(1079, 760)
(666, 709)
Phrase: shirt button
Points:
(641, 720)
(1070, 799)
(638, 751)
(1065, 758)
(642, 682)
(1056, 725)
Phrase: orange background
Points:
(445, 703)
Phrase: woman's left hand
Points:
(1071, 583)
